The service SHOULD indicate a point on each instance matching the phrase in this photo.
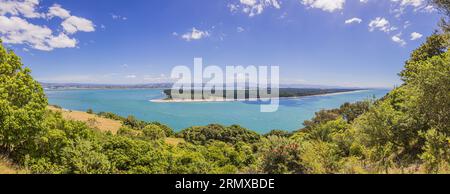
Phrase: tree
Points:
(318, 157)
(281, 156)
(322, 116)
(388, 136)
(435, 45)
(279, 133)
(430, 88)
(136, 156)
(168, 131)
(22, 103)
(443, 5)
(231, 134)
(351, 111)
(188, 159)
(132, 122)
(154, 132)
(85, 157)
(325, 131)
(436, 154)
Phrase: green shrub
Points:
(154, 132)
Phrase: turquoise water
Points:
(290, 115)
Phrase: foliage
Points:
(132, 123)
(154, 132)
(435, 45)
(279, 133)
(281, 155)
(90, 111)
(347, 111)
(436, 155)
(232, 134)
(319, 157)
(443, 5)
(22, 103)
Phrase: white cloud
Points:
(381, 24)
(118, 17)
(233, 8)
(162, 78)
(131, 76)
(15, 29)
(71, 24)
(253, 7)
(195, 34)
(74, 24)
(417, 5)
(397, 38)
(240, 29)
(326, 5)
(25, 8)
(248, 2)
(406, 24)
(57, 11)
(62, 41)
(416, 35)
(429, 9)
(353, 20)
(414, 3)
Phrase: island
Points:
(187, 96)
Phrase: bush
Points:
(279, 133)
(232, 134)
(154, 132)
(436, 155)
(167, 130)
(281, 156)
(90, 111)
(85, 157)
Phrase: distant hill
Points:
(315, 86)
(166, 86)
(55, 86)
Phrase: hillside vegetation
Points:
(407, 131)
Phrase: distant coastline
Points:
(216, 99)
(285, 93)
(84, 86)
(77, 86)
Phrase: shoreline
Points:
(250, 99)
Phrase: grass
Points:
(102, 124)
(94, 121)
(7, 167)
(174, 141)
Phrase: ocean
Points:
(290, 115)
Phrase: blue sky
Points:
(328, 42)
